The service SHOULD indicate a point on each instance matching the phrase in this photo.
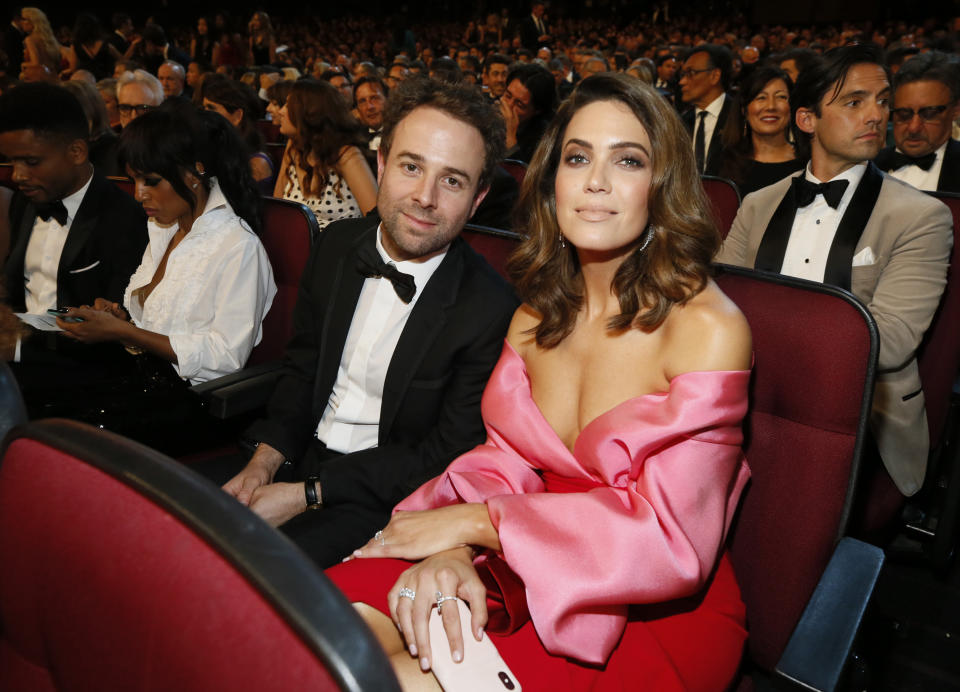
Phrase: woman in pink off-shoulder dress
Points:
(587, 534)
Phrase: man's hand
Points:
(257, 473)
(278, 503)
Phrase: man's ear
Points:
(78, 152)
(236, 117)
(715, 75)
(806, 120)
(477, 200)
(381, 164)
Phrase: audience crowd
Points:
(391, 134)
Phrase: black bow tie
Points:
(806, 191)
(899, 159)
(370, 263)
(54, 209)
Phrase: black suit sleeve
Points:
(124, 241)
(379, 478)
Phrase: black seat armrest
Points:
(242, 392)
(821, 644)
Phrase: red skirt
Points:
(690, 645)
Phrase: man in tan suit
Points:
(845, 223)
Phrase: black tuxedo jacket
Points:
(714, 146)
(529, 34)
(949, 180)
(104, 247)
(431, 401)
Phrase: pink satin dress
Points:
(612, 574)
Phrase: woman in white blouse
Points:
(205, 284)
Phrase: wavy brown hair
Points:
(669, 271)
(324, 127)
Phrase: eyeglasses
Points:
(691, 72)
(127, 109)
(928, 114)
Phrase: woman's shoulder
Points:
(520, 333)
(707, 333)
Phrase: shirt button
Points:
(807, 261)
(818, 222)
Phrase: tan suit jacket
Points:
(910, 235)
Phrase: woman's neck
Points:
(185, 222)
(598, 271)
(772, 148)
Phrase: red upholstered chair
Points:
(123, 570)
(815, 351)
(124, 184)
(725, 200)
(494, 244)
(518, 169)
(289, 229)
(270, 131)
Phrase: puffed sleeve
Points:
(662, 475)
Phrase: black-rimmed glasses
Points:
(927, 114)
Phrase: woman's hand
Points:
(450, 573)
(416, 535)
(97, 325)
(114, 309)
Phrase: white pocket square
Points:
(864, 258)
(85, 269)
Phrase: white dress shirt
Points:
(814, 227)
(351, 420)
(709, 124)
(919, 178)
(216, 289)
(42, 261)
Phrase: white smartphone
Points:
(482, 669)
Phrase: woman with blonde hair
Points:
(323, 164)
(587, 534)
(40, 47)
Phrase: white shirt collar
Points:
(72, 202)
(420, 271)
(714, 107)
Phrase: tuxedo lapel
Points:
(713, 150)
(840, 259)
(773, 245)
(83, 226)
(346, 286)
(18, 253)
(949, 180)
(427, 320)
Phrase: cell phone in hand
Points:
(62, 314)
(481, 670)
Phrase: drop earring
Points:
(562, 242)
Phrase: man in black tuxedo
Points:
(75, 236)
(533, 29)
(704, 81)
(926, 101)
(384, 374)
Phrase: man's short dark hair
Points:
(46, 109)
(801, 57)
(931, 67)
(663, 58)
(900, 54)
(495, 59)
(463, 102)
(718, 57)
(329, 75)
(814, 83)
(369, 80)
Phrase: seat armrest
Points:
(243, 391)
(820, 646)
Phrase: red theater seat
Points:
(724, 200)
(123, 570)
(815, 350)
(494, 244)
